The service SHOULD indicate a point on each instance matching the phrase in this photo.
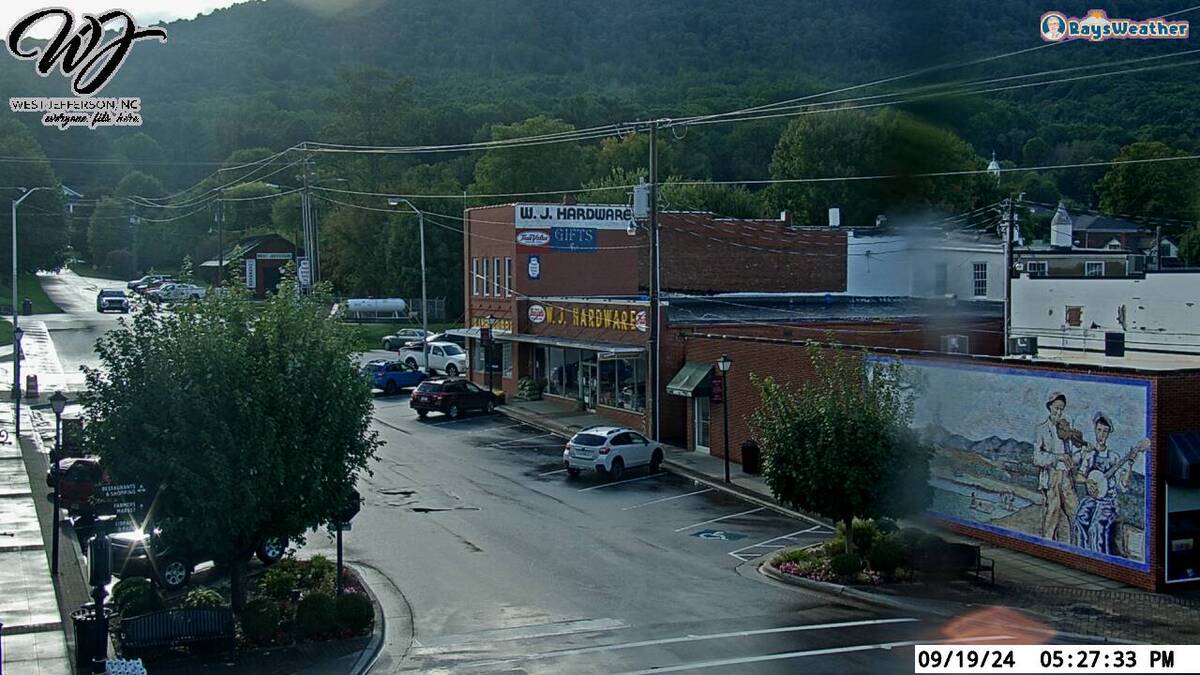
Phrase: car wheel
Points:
(174, 574)
(451, 370)
(573, 473)
(387, 345)
(271, 550)
(452, 411)
(391, 388)
(656, 461)
(489, 407)
(617, 470)
(411, 363)
(422, 413)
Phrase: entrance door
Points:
(701, 422)
(271, 277)
(588, 383)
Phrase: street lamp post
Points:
(16, 313)
(16, 392)
(723, 364)
(396, 201)
(487, 351)
(59, 403)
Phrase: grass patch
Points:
(370, 335)
(5, 333)
(28, 286)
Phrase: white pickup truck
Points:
(174, 292)
(444, 356)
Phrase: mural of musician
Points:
(1068, 476)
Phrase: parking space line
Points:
(714, 520)
(521, 440)
(768, 544)
(666, 499)
(551, 473)
(621, 482)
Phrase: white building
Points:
(925, 264)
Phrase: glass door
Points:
(588, 383)
(701, 421)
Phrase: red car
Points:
(78, 477)
(451, 396)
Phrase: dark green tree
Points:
(42, 230)
(553, 166)
(199, 405)
(1152, 189)
(840, 444)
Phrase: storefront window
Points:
(555, 371)
(608, 383)
(571, 373)
(507, 359)
(633, 384)
(477, 353)
(540, 371)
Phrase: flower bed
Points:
(882, 553)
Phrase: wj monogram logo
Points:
(81, 54)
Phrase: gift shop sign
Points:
(80, 52)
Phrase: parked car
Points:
(142, 553)
(437, 337)
(446, 357)
(77, 478)
(393, 376)
(175, 292)
(112, 299)
(147, 280)
(368, 369)
(147, 288)
(610, 451)
(451, 397)
(402, 337)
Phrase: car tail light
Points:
(604, 450)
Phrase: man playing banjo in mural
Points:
(1105, 474)
(1056, 453)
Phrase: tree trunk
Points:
(848, 522)
(237, 582)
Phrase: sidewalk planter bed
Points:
(295, 602)
(200, 628)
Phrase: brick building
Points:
(259, 259)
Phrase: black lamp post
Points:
(59, 403)
(487, 351)
(723, 365)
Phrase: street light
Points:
(397, 201)
(487, 350)
(723, 364)
(59, 403)
(15, 313)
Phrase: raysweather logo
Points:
(82, 55)
(1097, 27)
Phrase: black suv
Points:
(451, 396)
(146, 554)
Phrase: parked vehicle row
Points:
(176, 292)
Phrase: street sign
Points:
(719, 535)
(716, 389)
(121, 498)
(351, 509)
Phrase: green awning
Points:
(691, 380)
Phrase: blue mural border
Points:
(1148, 516)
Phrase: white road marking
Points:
(551, 473)
(811, 652)
(521, 440)
(666, 499)
(447, 643)
(714, 520)
(697, 638)
(621, 482)
(768, 543)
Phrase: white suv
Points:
(610, 451)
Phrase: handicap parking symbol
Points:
(721, 535)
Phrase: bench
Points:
(211, 627)
(955, 558)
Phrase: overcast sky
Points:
(144, 11)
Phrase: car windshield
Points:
(590, 440)
(430, 387)
(112, 294)
(452, 350)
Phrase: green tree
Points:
(840, 443)
(1153, 189)
(552, 166)
(199, 406)
(108, 229)
(42, 232)
(185, 270)
(1189, 247)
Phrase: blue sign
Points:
(719, 535)
(535, 267)
(573, 239)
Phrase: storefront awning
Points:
(1183, 458)
(691, 380)
(606, 349)
(473, 333)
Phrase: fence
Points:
(437, 309)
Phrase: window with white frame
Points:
(508, 280)
(1093, 269)
(474, 276)
(1037, 268)
(487, 290)
(979, 276)
(496, 277)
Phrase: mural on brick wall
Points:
(1052, 458)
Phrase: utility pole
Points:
(16, 312)
(397, 201)
(219, 220)
(134, 224)
(655, 281)
(1008, 270)
(1158, 248)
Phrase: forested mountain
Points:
(271, 73)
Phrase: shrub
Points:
(260, 620)
(203, 597)
(886, 526)
(320, 575)
(316, 615)
(798, 555)
(864, 534)
(909, 538)
(529, 389)
(886, 555)
(136, 596)
(355, 613)
(845, 564)
(281, 579)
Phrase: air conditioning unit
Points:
(1023, 346)
(956, 344)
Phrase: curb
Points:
(370, 654)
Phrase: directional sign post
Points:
(351, 509)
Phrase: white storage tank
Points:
(376, 306)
